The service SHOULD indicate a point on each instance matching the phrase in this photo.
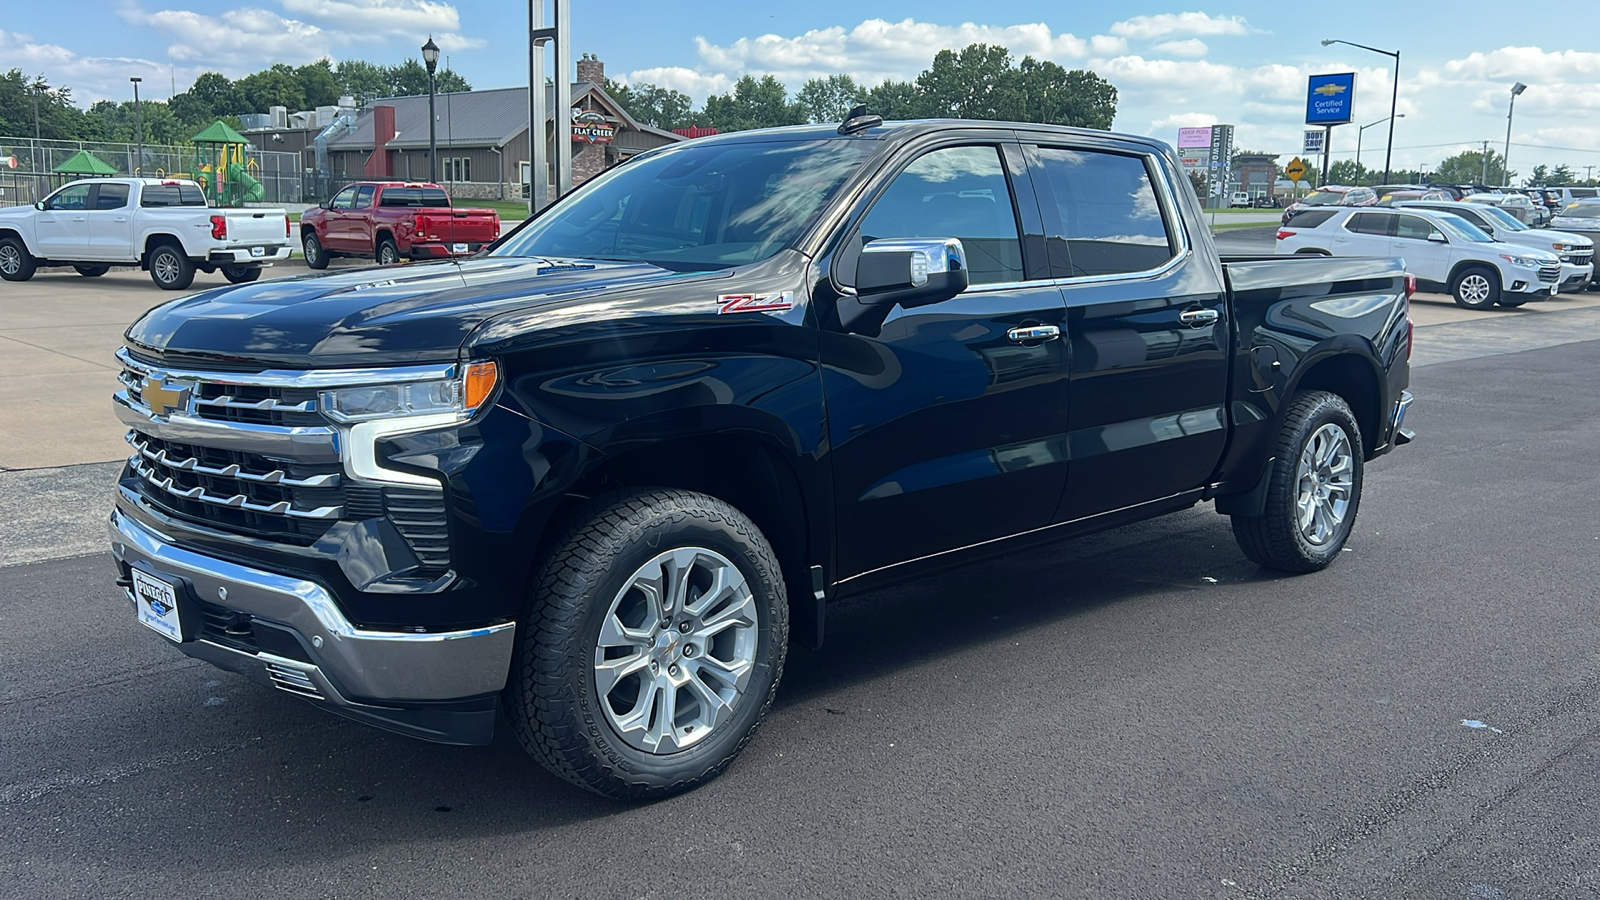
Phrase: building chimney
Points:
(382, 134)
(591, 69)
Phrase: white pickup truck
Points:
(161, 225)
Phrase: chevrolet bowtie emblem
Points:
(165, 398)
(1328, 90)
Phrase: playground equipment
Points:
(220, 166)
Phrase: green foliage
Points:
(977, 83)
(1348, 171)
(58, 118)
(895, 100)
(657, 107)
(318, 83)
(362, 80)
(830, 99)
(277, 86)
(1562, 176)
(1468, 168)
(753, 103)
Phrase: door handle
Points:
(120, 219)
(1034, 333)
(1194, 318)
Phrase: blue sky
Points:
(1174, 64)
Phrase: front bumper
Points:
(437, 686)
(1576, 277)
(254, 254)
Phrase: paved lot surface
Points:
(1138, 714)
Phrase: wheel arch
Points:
(1356, 378)
(1464, 265)
(158, 239)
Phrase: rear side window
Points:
(398, 196)
(1413, 228)
(958, 192)
(111, 196)
(156, 196)
(1108, 220)
(433, 197)
(364, 196)
(1369, 223)
(1311, 218)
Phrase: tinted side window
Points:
(1413, 228)
(1310, 218)
(958, 192)
(364, 196)
(398, 196)
(434, 197)
(344, 198)
(1109, 218)
(190, 195)
(111, 196)
(1368, 223)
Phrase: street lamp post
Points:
(39, 87)
(1358, 146)
(138, 126)
(430, 58)
(1505, 159)
(1394, 97)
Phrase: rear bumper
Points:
(288, 633)
(247, 255)
(1398, 433)
(447, 250)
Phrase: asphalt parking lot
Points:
(1141, 713)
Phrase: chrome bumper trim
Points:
(382, 666)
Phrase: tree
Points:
(317, 83)
(655, 106)
(58, 118)
(895, 100)
(1468, 167)
(753, 103)
(830, 99)
(1348, 171)
(1053, 95)
(1562, 176)
(1540, 176)
(277, 86)
(362, 80)
(976, 83)
(410, 79)
(210, 97)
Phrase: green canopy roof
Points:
(85, 163)
(219, 133)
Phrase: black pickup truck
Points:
(604, 472)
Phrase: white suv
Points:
(1575, 250)
(1444, 251)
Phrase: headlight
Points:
(1523, 260)
(460, 396)
(1563, 246)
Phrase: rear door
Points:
(1147, 319)
(110, 222)
(63, 225)
(948, 426)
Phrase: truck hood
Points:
(376, 316)
(1544, 237)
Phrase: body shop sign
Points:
(592, 128)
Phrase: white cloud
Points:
(90, 78)
(237, 37)
(1191, 47)
(388, 18)
(695, 84)
(1152, 28)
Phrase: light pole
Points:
(1358, 146)
(39, 87)
(138, 126)
(1394, 98)
(430, 58)
(1505, 159)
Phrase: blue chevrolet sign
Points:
(1330, 98)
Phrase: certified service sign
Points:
(1330, 98)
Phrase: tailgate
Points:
(474, 226)
(256, 227)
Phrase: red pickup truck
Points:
(394, 220)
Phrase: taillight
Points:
(219, 227)
(416, 225)
(1285, 234)
(285, 226)
(1411, 285)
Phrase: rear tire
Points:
(316, 257)
(1314, 490)
(170, 268)
(91, 271)
(388, 254)
(16, 263)
(241, 274)
(651, 645)
(1476, 288)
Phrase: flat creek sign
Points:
(592, 128)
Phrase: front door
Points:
(336, 234)
(1148, 326)
(110, 223)
(1423, 246)
(947, 426)
(63, 225)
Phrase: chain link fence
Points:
(34, 175)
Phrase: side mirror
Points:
(911, 271)
(39, 205)
(326, 204)
(1437, 237)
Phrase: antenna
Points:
(859, 120)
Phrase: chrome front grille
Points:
(1550, 274)
(1580, 258)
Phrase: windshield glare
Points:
(1503, 218)
(1582, 211)
(1323, 198)
(1458, 227)
(698, 208)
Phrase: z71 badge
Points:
(738, 303)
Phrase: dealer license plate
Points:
(157, 602)
(458, 248)
(258, 251)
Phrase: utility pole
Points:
(1484, 177)
(138, 127)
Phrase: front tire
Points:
(1476, 288)
(170, 268)
(316, 257)
(91, 271)
(241, 274)
(16, 263)
(1314, 489)
(651, 646)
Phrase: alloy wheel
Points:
(1475, 289)
(10, 260)
(1324, 483)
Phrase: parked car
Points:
(1391, 198)
(1267, 201)
(1450, 191)
(392, 220)
(604, 472)
(1443, 251)
(1569, 195)
(1575, 250)
(1239, 200)
(161, 225)
(1332, 195)
(1517, 205)
(1582, 217)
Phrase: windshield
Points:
(1502, 219)
(1458, 227)
(1582, 211)
(1323, 198)
(698, 208)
